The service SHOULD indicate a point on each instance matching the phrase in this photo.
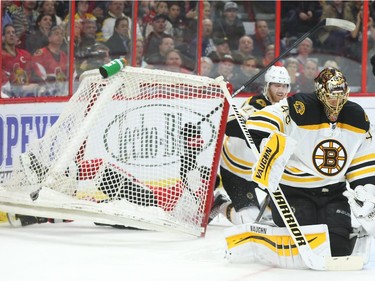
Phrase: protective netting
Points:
(139, 148)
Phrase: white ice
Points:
(79, 251)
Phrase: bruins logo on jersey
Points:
(299, 107)
(261, 102)
(329, 157)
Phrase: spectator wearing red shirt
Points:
(52, 64)
(17, 66)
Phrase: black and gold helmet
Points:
(332, 90)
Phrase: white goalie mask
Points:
(276, 74)
(332, 90)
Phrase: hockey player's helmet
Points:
(276, 74)
(332, 90)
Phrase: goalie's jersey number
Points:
(329, 157)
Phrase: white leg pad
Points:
(271, 245)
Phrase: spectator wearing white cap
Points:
(230, 26)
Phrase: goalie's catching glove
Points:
(362, 204)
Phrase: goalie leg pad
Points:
(249, 243)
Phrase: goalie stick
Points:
(344, 24)
(311, 259)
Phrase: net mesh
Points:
(139, 148)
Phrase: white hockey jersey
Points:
(327, 152)
(236, 155)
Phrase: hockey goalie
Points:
(325, 182)
(135, 149)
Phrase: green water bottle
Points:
(112, 67)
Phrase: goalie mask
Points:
(276, 74)
(332, 90)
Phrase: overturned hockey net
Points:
(140, 149)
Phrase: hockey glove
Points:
(269, 168)
(362, 204)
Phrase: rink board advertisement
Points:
(20, 124)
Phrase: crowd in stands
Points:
(36, 40)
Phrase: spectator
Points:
(24, 20)
(52, 64)
(153, 39)
(206, 67)
(221, 49)
(225, 68)
(89, 54)
(78, 26)
(174, 63)
(82, 14)
(229, 26)
(191, 18)
(304, 50)
(246, 71)
(306, 79)
(331, 39)
(158, 58)
(330, 63)
(140, 62)
(354, 44)
(98, 13)
(17, 67)
(94, 57)
(160, 8)
(292, 65)
(115, 10)
(299, 17)
(88, 34)
(39, 39)
(119, 42)
(207, 41)
(48, 7)
(261, 39)
(245, 48)
(6, 13)
(269, 55)
(177, 24)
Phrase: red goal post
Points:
(140, 148)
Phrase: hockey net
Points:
(140, 149)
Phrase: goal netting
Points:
(140, 149)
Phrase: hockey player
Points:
(236, 158)
(335, 151)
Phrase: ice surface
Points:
(79, 251)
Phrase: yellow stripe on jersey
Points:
(300, 178)
(360, 173)
(343, 126)
(363, 159)
(268, 125)
(233, 163)
(351, 128)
